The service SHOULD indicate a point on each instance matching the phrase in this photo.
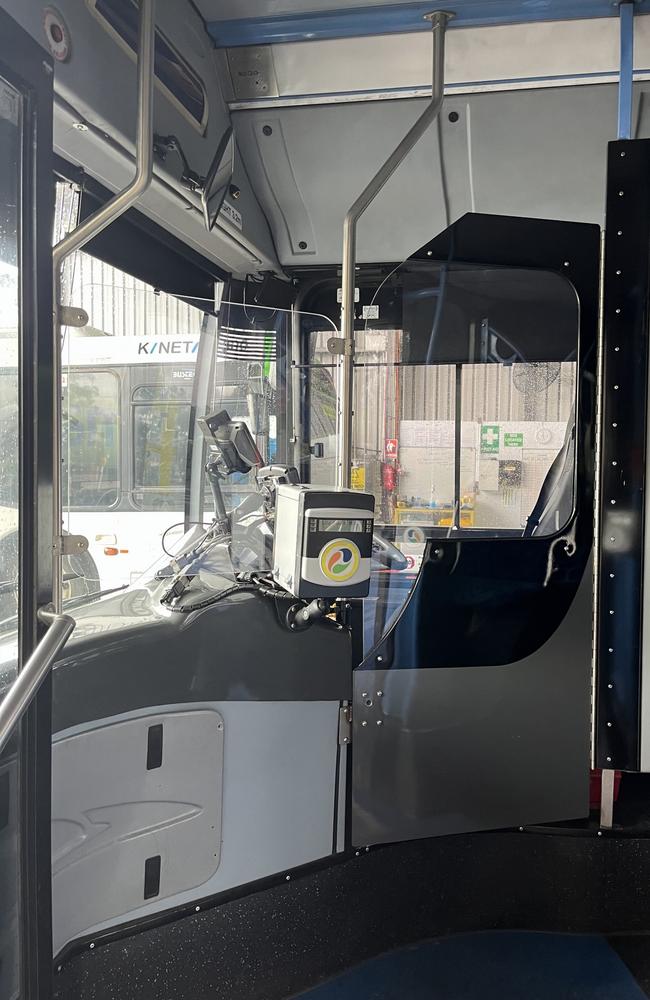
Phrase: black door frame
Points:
(28, 67)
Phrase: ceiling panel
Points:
(256, 22)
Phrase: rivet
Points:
(521, 829)
(616, 387)
(610, 650)
(364, 694)
(566, 263)
(610, 686)
(364, 723)
(614, 462)
(367, 850)
(609, 760)
(196, 909)
(92, 945)
(357, 853)
(612, 538)
(614, 424)
(600, 833)
(380, 659)
(609, 725)
(620, 232)
(611, 576)
(612, 501)
(617, 349)
(287, 878)
(379, 722)
(611, 612)
(429, 253)
(619, 272)
(617, 311)
(621, 193)
(622, 154)
(380, 694)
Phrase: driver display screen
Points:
(340, 525)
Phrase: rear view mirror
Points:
(218, 178)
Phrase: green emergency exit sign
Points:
(490, 439)
(513, 440)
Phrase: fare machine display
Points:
(323, 541)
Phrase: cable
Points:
(177, 525)
(238, 588)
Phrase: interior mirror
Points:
(218, 178)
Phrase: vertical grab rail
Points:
(94, 224)
(439, 21)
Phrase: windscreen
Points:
(136, 379)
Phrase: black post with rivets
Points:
(626, 311)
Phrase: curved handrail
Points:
(439, 21)
(21, 693)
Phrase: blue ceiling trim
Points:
(356, 22)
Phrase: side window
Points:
(91, 439)
(160, 436)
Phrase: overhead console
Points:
(95, 112)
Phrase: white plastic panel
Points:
(279, 791)
(110, 813)
(535, 153)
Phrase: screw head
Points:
(379, 722)
(267, 130)
(364, 723)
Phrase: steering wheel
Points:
(387, 554)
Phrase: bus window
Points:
(91, 436)
(464, 401)
(160, 436)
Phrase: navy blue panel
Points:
(496, 965)
(623, 476)
(400, 18)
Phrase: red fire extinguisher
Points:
(388, 477)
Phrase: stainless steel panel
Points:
(451, 750)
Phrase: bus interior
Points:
(324, 373)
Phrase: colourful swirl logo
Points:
(339, 560)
